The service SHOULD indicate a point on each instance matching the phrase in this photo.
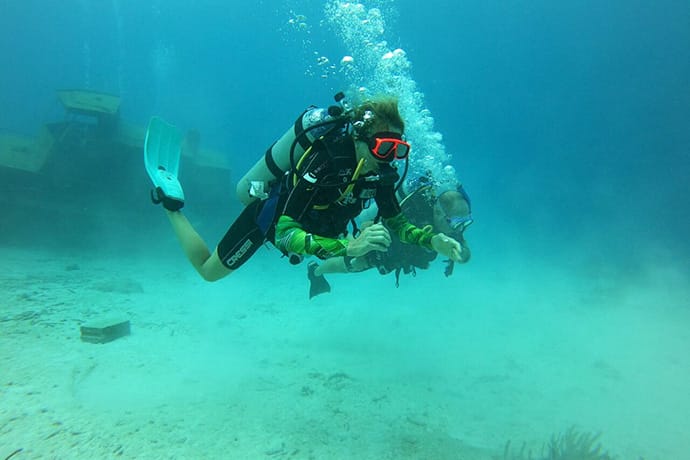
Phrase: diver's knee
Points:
(213, 269)
(209, 277)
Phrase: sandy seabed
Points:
(250, 368)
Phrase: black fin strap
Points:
(156, 199)
(171, 204)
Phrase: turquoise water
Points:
(566, 123)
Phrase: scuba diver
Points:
(303, 193)
(427, 204)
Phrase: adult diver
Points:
(304, 192)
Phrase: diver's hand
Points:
(366, 224)
(372, 238)
(447, 246)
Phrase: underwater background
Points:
(567, 122)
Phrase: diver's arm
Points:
(409, 233)
(447, 246)
(441, 224)
(424, 237)
(292, 238)
(465, 253)
(397, 222)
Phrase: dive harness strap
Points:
(271, 163)
(300, 137)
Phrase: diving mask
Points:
(460, 223)
(388, 145)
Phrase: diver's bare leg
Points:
(206, 263)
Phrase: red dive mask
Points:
(387, 145)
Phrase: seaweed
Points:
(571, 445)
(508, 453)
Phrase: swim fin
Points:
(317, 283)
(162, 147)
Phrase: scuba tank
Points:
(286, 151)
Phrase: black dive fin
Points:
(317, 284)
